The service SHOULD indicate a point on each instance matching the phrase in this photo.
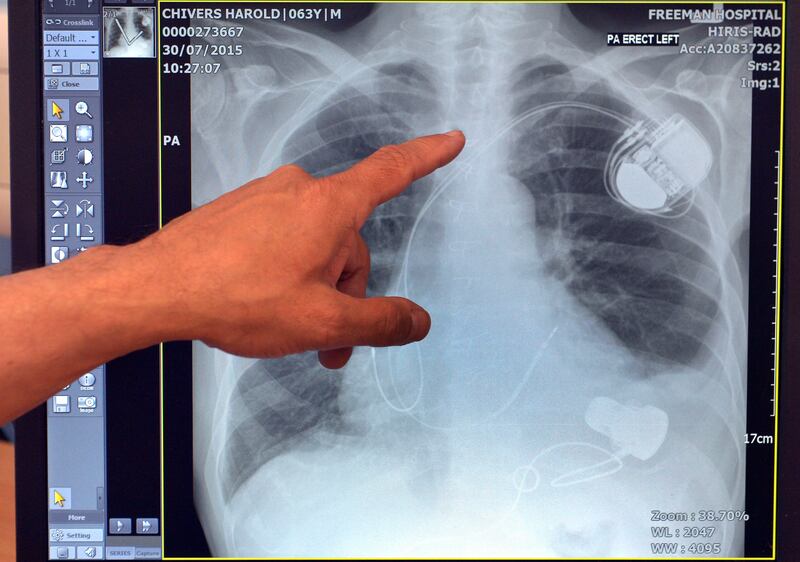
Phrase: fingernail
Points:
(421, 324)
(454, 133)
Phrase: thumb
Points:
(381, 322)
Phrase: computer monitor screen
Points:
(601, 263)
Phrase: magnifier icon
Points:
(82, 108)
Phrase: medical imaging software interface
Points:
(601, 264)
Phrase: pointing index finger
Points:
(391, 169)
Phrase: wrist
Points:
(135, 293)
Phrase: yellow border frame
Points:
(778, 255)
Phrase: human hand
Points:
(278, 266)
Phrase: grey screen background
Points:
(586, 363)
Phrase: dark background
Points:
(131, 212)
(788, 509)
(131, 201)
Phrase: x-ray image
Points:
(581, 261)
(128, 33)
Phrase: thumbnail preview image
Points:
(129, 33)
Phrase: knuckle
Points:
(397, 324)
(367, 257)
(293, 170)
(431, 148)
(314, 196)
(396, 160)
(331, 322)
(325, 185)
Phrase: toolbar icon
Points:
(58, 254)
(58, 133)
(82, 108)
(87, 379)
(58, 156)
(84, 133)
(58, 208)
(147, 526)
(58, 110)
(59, 232)
(61, 404)
(85, 179)
(85, 157)
(119, 526)
(60, 498)
(58, 180)
(85, 232)
(87, 402)
(84, 208)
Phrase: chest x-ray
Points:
(581, 261)
(128, 33)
